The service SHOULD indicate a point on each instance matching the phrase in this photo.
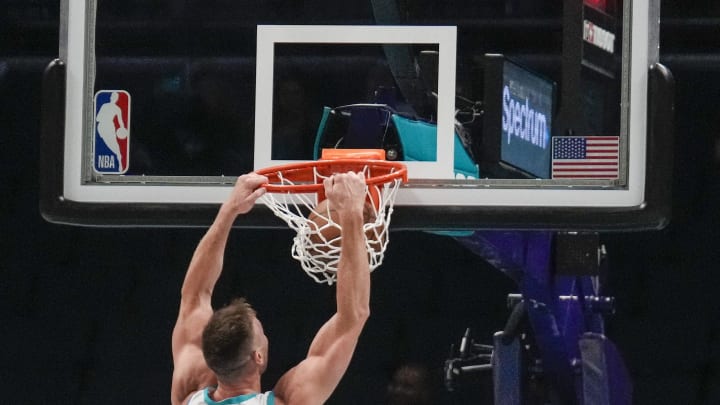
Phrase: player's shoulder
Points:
(190, 378)
(277, 400)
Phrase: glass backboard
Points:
(533, 115)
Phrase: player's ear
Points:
(257, 357)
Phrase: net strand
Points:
(319, 256)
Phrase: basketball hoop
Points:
(294, 192)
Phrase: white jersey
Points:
(203, 398)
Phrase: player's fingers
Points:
(328, 182)
(253, 180)
(348, 177)
(249, 183)
(257, 193)
(246, 203)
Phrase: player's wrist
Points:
(229, 210)
(352, 216)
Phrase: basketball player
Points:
(221, 355)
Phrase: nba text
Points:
(106, 162)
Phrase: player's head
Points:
(233, 341)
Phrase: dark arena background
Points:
(87, 312)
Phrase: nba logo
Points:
(111, 143)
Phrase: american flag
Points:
(585, 157)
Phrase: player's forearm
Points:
(353, 279)
(207, 261)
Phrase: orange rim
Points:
(304, 173)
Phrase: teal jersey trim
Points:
(236, 400)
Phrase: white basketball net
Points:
(318, 255)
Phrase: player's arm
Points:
(315, 378)
(190, 370)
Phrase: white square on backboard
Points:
(444, 36)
